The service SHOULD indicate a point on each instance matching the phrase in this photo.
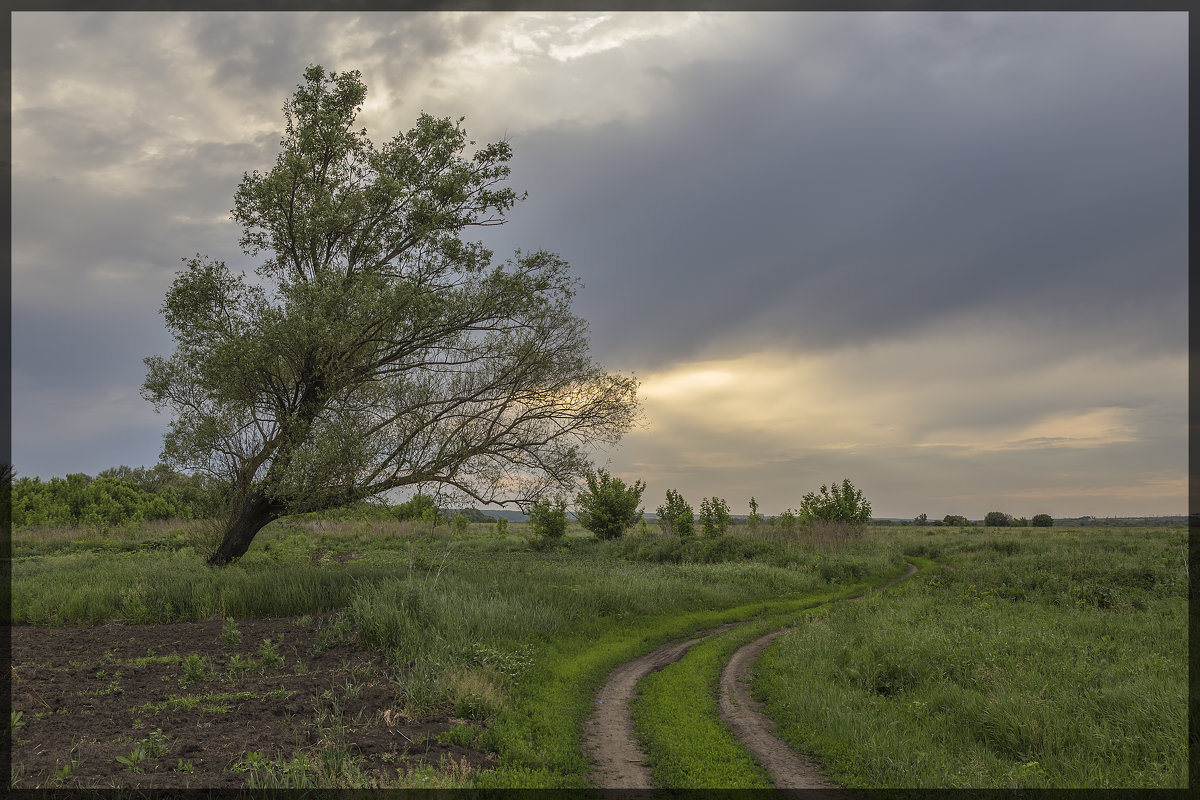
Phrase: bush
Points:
(548, 520)
(675, 516)
(714, 516)
(415, 509)
(1042, 521)
(836, 503)
(996, 519)
(608, 507)
(955, 519)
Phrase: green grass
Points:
(677, 722)
(967, 678)
(1047, 659)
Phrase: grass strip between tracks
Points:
(676, 716)
(538, 738)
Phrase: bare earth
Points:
(608, 734)
(620, 762)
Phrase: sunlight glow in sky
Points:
(941, 254)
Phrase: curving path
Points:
(620, 763)
(608, 734)
(743, 714)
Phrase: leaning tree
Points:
(376, 348)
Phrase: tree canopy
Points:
(608, 507)
(377, 348)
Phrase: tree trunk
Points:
(256, 513)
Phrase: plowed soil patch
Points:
(89, 696)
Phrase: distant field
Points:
(387, 655)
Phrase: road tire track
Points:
(609, 737)
(754, 729)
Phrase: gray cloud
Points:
(724, 185)
(1044, 183)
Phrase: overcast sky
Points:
(942, 255)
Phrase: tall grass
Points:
(1046, 659)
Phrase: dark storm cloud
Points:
(1020, 167)
(957, 235)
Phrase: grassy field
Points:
(1046, 658)
(509, 639)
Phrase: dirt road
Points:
(620, 763)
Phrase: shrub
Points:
(501, 526)
(836, 503)
(955, 519)
(608, 507)
(675, 516)
(1042, 521)
(714, 516)
(415, 509)
(996, 519)
(548, 520)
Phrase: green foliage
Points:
(459, 524)
(787, 523)
(608, 507)
(501, 526)
(996, 519)
(416, 509)
(377, 348)
(195, 669)
(714, 517)
(836, 503)
(81, 500)
(548, 519)
(1062, 665)
(230, 634)
(675, 517)
(955, 519)
(755, 519)
(1042, 521)
(675, 715)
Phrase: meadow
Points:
(375, 653)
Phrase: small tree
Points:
(415, 508)
(996, 519)
(459, 523)
(956, 519)
(676, 516)
(549, 519)
(1042, 521)
(753, 521)
(921, 519)
(836, 503)
(501, 526)
(714, 516)
(787, 523)
(608, 507)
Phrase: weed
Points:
(238, 666)
(268, 655)
(156, 743)
(15, 722)
(195, 669)
(133, 760)
(184, 766)
(230, 634)
(62, 773)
